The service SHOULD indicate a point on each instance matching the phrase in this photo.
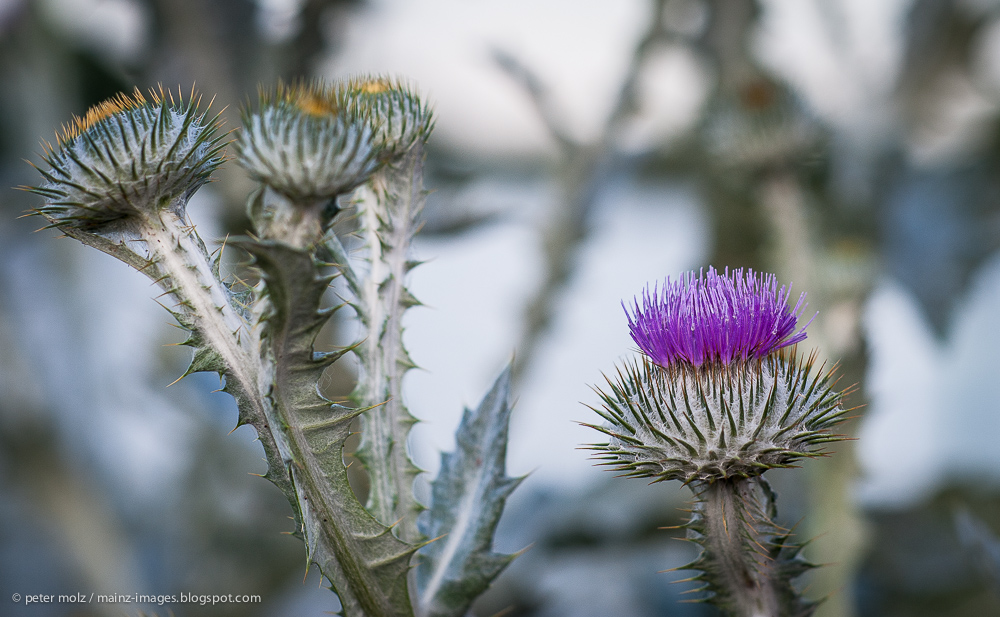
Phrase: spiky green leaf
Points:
(365, 562)
(468, 497)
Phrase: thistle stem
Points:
(736, 538)
(390, 220)
(183, 258)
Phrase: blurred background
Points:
(583, 148)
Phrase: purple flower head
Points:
(715, 318)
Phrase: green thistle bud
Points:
(128, 158)
(308, 142)
(398, 116)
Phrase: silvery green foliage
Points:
(389, 215)
(365, 562)
(716, 421)
(119, 180)
(468, 498)
(390, 208)
(261, 341)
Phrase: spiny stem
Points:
(389, 222)
(734, 539)
(747, 561)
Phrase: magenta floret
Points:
(709, 317)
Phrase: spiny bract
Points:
(128, 156)
(720, 421)
(712, 398)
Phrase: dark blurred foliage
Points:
(784, 190)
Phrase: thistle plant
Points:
(718, 397)
(120, 178)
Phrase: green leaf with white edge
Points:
(468, 497)
(364, 561)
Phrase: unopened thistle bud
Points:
(398, 116)
(308, 142)
(128, 157)
(713, 398)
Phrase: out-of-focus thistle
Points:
(307, 144)
(119, 180)
(716, 400)
(399, 117)
(309, 141)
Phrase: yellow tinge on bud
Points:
(307, 142)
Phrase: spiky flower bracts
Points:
(718, 421)
(308, 142)
(714, 402)
(314, 141)
(128, 159)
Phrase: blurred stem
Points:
(583, 170)
(766, 200)
(725, 40)
(390, 218)
(783, 207)
(833, 520)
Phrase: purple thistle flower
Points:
(712, 405)
(715, 318)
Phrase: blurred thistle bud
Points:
(398, 116)
(713, 398)
(128, 158)
(308, 142)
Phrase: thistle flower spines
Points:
(118, 103)
(129, 157)
(784, 416)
